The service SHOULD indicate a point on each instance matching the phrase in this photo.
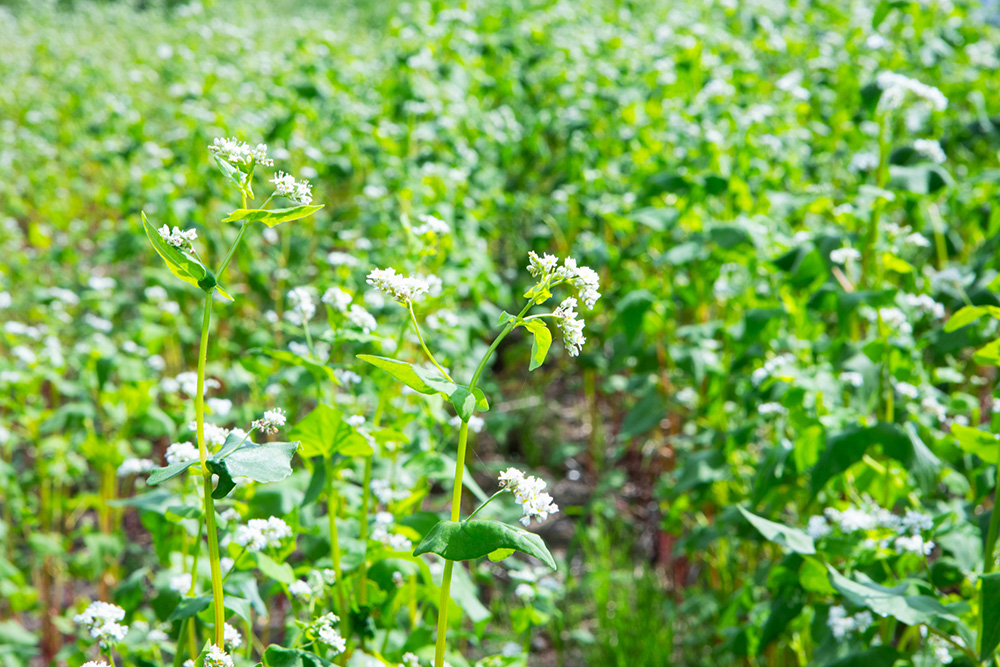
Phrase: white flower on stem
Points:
(337, 299)
(818, 527)
(917, 239)
(323, 629)
(216, 657)
(178, 238)
(181, 583)
(852, 378)
(259, 534)
(431, 225)
(411, 660)
(535, 502)
(841, 624)
(915, 522)
(361, 318)
(541, 267)
(101, 619)
(135, 467)
(570, 327)
(863, 161)
(403, 289)
(896, 86)
(583, 278)
(231, 637)
(219, 406)
(930, 149)
(301, 589)
(525, 591)
(303, 307)
(843, 255)
(914, 544)
(271, 420)
(285, 185)
(181, 452)
(906, 389)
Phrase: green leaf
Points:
(163, 474)
(908, 609)
(813, 577)
(182, 263)
(989, 603)
(402, 371)
(188, 607)
(500, 554)
(273, 217)
(968, 315)
(468, 540)
(234, 175)
(989, 354)
(464, 402)
(540, 345)
(325, 432)
(281, 572)
(984, 445)
(786, 536)
(226, 483)
(262, 463)
(177, 513)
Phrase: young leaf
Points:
(163, 474)
(964, 317)
(402, 371)
(262, 463)
(540, 345)
(274, 217)
(235, 176)
(181, 263)
(791, 538)
(984, 445)
(278, 571)
(325, 432)
(468, 540)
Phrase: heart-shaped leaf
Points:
(468, 540)
(272, 217)
(324, 432)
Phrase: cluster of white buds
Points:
(181, 452)
(234, 151)
(529, 491)
(323, 629)
(285, 185)
(403, 289)
(216, 657)
(271, 420)
(101, 619)
(546, 268)
(896, 86)
(303, 308)
(843, 255)
(259, 534)
(231, 637)
(570, 327)
(337, 298)
(361, 318)
(178, 238)
(431, 225)
(135, 467)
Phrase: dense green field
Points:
(719, 281)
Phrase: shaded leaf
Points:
(786, 536)
(468, 540)
(272, 217)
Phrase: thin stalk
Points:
(488, 501)
(232, 250)
(331, 512)
(420, 337)
(211, 528)
(989, 562)
(363, 524)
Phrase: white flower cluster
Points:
(178, 238)
(570, 327)
(380, 533)
(259, 534)
(431, 225)
(403, 289)
(853, 378)
(101, 619)
(926, 303)
(285, 185)
(906, 530)
(323, 629)
(546, 268)
(271, 420)
(216, 657)
(895, 319)
(535, 502)
(94, 663)
(234, 151)
(863, 161)
(930, 149)
(181, 583)
(300, 589)
(181, 452)
(214, 434)
(841, 624)
(303, 307)
(383, 491)
(843, 255)
(231, 637)
(337, 298)
(188, 383)
(771, 367)
(361, 318)
(896, 86)
(135, 467)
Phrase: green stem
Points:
(213, 533)
(363, 523)
(331, 512)
(416, 327)
(488, 501)
(236, 243)
(989, 561)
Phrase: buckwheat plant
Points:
(234, 453)
(457, 540)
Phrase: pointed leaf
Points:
(984, 445)
(163, 474)
(272, 217)
(540, 345)
(908, 609)
(181, 263)
(324, 432)
(792, 538)
(262, 463)
(468, 540)
(989, 603)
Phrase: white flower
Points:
(397, 579)
(925, 303)
(906, 389)
(231, 637)
(300, 589)
(895, 87)
(818, 527)
(214, 434)
(570, 327)
(931, 406)
(181, 452)
(216, 657)
(894, 318)
(234, 151)
(101, 283)
(271, 420)
(585, 279)
(355, 420)
(852, 378)
(337, 299)
(5, 299)
(181, 583)
(403, 289)
(135, 467)
(914, 544)
(930, 149)
(259, 534)
(178, 238)
(285, 185)
(101, 619)
(772, 408)
(841, 624)
(346, 376)
(863, 161)
(94, 663)
(322, 628)
(915, 522)
(361, 318)
(337, 258)
(410, 660)
(535, 503)
(431, 225)
(383, 491)
(917, 239)
(842, 255)
(303, 307)
(219, 406)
